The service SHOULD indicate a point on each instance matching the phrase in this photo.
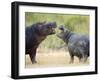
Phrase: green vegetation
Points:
(74, 22)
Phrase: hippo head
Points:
(62, 33)
(46, 28)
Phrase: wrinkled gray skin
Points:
(78, 45)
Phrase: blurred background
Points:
(74, 22)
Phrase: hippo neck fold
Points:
(67, 36)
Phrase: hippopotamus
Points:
(78, 44)
(35, 34)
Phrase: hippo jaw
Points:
(52, 27)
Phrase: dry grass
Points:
(52, 59)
